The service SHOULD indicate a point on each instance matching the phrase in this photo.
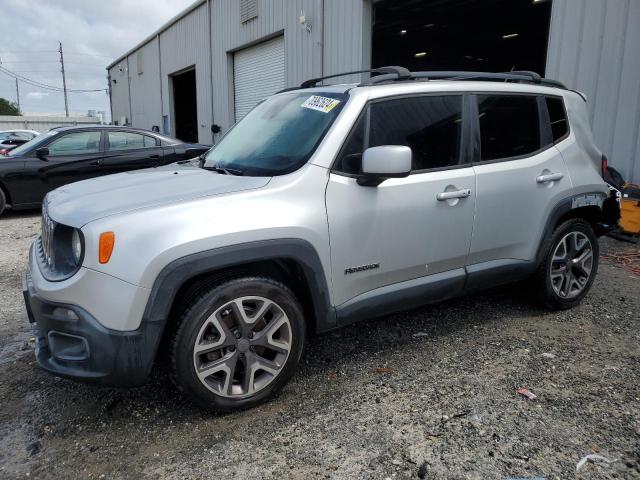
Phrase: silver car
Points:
(323, 206)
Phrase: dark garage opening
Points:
(185, 106)
(476, 35)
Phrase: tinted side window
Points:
(509, 126)
(558, 117)
(127, 141)
(430, 126)
(76, 143)
(150, 141)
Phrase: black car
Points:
(68, 154)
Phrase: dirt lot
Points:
(425, 394)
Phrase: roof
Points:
(164, 27)
(64, 128)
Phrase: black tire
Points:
(3, 202)
(542, 280)
(188, 332)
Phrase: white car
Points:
(10, 139)
(323, 206)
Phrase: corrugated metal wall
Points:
(347, 24)
(339, 28)
(145, 87)
(594, 47)
(119, 87)
(303, 49)
(183, 45)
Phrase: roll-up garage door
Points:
(258, 72)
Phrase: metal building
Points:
(205, 68)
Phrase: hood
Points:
(79, 203)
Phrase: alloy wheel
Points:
(571, 265)
(242, 347)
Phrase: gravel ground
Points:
(425, 394)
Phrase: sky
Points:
(93, 34)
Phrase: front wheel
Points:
(570, 265)
(238, 344)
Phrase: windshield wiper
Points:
(225, 171)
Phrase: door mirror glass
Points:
(42, 152)
(387, 161)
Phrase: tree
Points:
(8, 108)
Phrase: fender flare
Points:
(177, 272)
(563, 207)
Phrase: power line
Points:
(45, 86)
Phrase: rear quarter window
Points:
(557, 117)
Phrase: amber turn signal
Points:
(107, 241)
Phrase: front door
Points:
(404, 228)
(72, 157)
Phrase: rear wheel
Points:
(570, 265)
(238, 344)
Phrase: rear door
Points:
(520, 175)
(404, 228)
(73, 156)
(128, 150)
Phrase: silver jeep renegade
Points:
(323, 206)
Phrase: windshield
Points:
(278, 136)
(33, 143)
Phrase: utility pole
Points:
(64, 82)
(18, 94)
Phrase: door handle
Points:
(464, 193)
(550, 177)
(95, 163)
(154, 157)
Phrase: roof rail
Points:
(516, 76)
(399, 73)
(396, 73)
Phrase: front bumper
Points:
(71, 343)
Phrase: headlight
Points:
(76, 246)
(60, 250)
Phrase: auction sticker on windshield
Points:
(321, 104)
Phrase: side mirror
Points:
(42, 153)
(380, 163)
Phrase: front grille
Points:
(46, 239)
